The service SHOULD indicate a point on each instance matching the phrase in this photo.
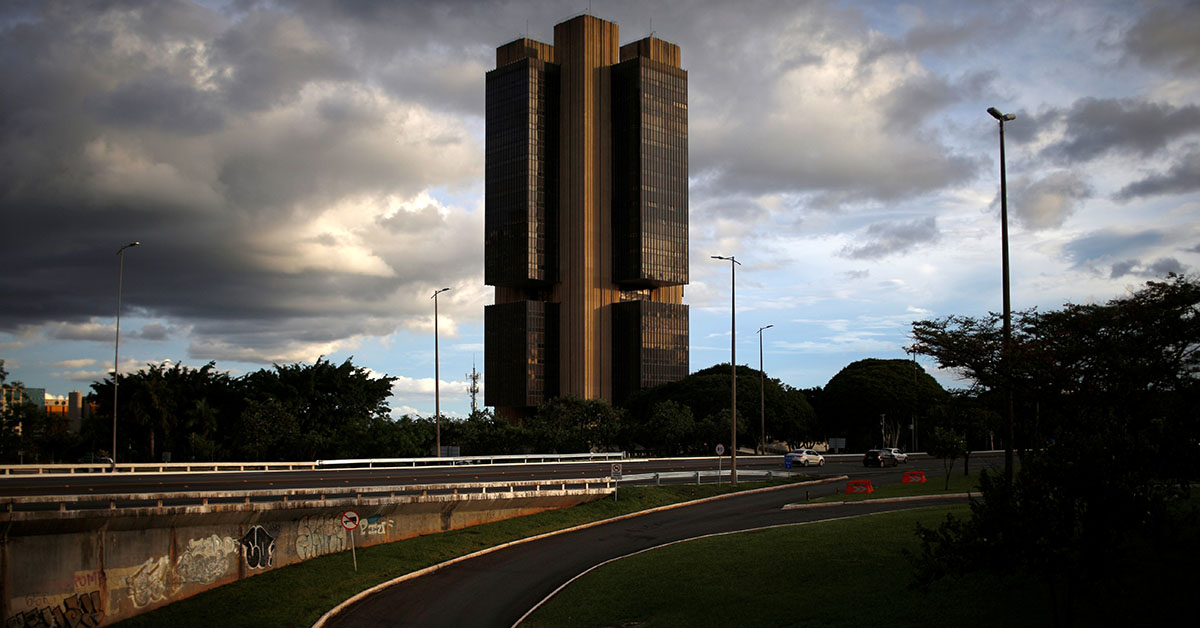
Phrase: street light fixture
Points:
(117, 346)
(762, 390)
(437, 386)
(1007, 330)
(732, 362)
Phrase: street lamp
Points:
(762, 390)
(437, 386)
(117, 346)
(732, 361)
(1007, 330)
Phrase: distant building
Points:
(16, 394)
(72, 407)
(586, 218)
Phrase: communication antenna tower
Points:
(474, 387)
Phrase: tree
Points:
(967, 413)
(706, 394)
(483, 433)
(866, 392)
(164, 408)
(948, 445)
(1094, 383)
(572, 425)
(671, 427)
(333, 405)
(298, 411)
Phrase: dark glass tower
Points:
(586, 218)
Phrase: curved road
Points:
(496, 589)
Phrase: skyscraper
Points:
(586, 218)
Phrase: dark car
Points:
(879, 458)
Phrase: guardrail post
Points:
(697, 478)
(657, 480)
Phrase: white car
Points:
(900, 455)
(804, 458)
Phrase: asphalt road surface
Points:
(496, 589)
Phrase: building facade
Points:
(586, 218)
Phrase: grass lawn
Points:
(299, 594)
(854, 572)
(842, 573)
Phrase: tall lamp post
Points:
(117, 346)
(733, 264)
(437, 385)
(1007, 330)
(762, 391)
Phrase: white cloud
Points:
(1046, 203)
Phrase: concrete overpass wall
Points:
(93, 568)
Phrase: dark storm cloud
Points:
(1095, 127)
(157, 100)
(1181, 178)
(1110, 244)
(153, 331)
(1158, 268)
(269, 57)
(1166, 36)
(890, 238)
(245, 153)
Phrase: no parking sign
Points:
(350, 522)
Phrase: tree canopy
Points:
(1105, 397)
(297, 411)
(866, 392)
(692, 415)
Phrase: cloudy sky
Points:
(303, 175)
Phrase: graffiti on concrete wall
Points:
(260, 548)
(75, 611)
(377, 525)
(319, 535)
(149, 583)
(207, 559)
(86, 580)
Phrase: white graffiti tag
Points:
(207, 559)
(149, 583)
(317, 536)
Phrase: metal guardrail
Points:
(270, 498)
(191, 467)
(457, 460)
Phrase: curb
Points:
(320, 623)
(884, 500)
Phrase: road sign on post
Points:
(720, 452)
(350, 522)
(616, 476)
